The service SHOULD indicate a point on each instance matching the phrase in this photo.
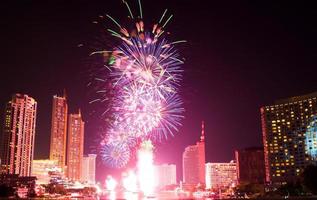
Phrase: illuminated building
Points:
(289, 137)
(89, 169)
(17, 142)
(194, 162)
(59, 130)
(75, 147)
(43, 169)
(165, 175)
(221, 175)
(250, 165)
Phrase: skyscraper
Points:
(289, 136)
(165, 175)
(194, 162)
(221, 175)
(89, 169)
(250, 165)
(17, 141)
(75, 146)
(59, 130)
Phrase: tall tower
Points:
(194, 161)
(59, 130)
(17, 142)
(75, 147)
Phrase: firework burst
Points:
(141, 87)
(115, 154)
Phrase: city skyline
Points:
(232, 72)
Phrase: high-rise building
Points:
(165, 175)
(75, 146)
(221, 175)
(289, 137)
(89, 169)
(17, 141)
(42, 170)
(250, 165)
(194, 162)
(59, 130)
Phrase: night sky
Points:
(239, 57)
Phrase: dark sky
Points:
(239, 57)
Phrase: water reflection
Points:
(112, 195)
(131, 196)
(139, 196)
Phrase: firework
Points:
(146, 168)
(115, 154)
(141, 86)
(111, 183)
(130, 182)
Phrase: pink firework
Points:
(144, 78)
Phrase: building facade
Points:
(89, 169)
(165, 175)
(250, 165)
(75, 147)
(42, 170)
(17, 141)
(289, 137)
(59, 130)
(221, 175)
(194, 162)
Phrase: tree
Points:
(6, 191)
(310, 178)
(291, 189)
(250, 189)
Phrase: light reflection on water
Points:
(138, 196)
(130, 196)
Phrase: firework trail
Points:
(140, 87)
